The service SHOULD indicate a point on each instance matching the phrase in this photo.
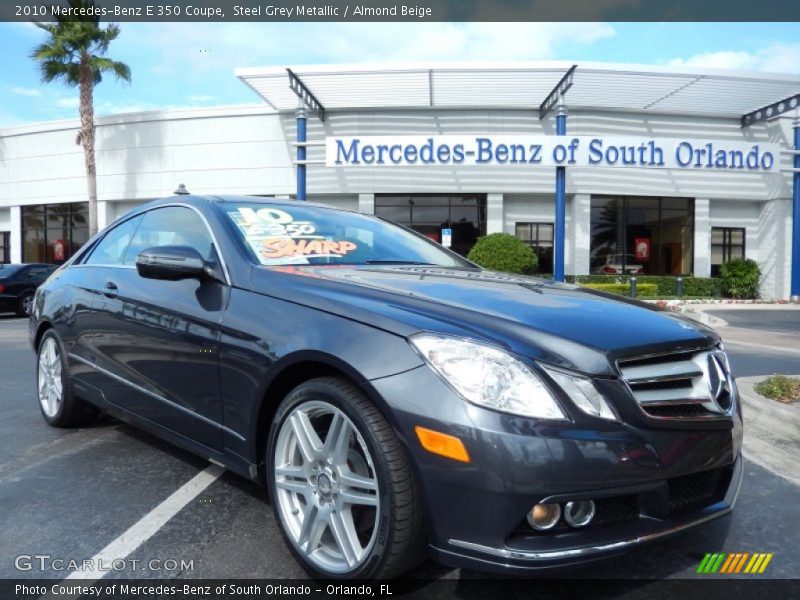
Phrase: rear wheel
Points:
(25, 305)
(341, 487)
(60, 407)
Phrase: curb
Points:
(771, 432)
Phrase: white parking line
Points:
(149, 524)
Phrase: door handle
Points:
(111, 289)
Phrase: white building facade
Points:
(691, 219)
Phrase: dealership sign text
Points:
(548, 150)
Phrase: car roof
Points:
(36, 264)
(197, 200)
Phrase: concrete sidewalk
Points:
(771, 431)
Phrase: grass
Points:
(780, 387)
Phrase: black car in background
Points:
(398, 400)
(18, 283)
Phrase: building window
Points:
(52, 233)
(428, 214)
(642, 235)
(5, 247)
(727, 243)
(539, 236)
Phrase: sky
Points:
(177, 65)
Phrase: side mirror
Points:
(173, 263)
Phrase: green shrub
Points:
(698, 287)
(740, 278)
(504, 252)
(780, 387)
(646, 290)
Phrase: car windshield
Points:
(293, 234)
(9, 270)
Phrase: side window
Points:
(171, 226)
(111, 249)
(37, 273)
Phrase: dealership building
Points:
(656, 170)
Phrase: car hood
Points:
(557, 323)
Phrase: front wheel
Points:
(341, 486)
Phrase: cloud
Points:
(779, 57)
(67, 102)
(26, 91)
(200, 48)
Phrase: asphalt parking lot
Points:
(70, 493)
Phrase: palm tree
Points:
(74, 53)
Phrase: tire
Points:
(25, 304)
(57, 401)
(360, 490)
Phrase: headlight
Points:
(583, 393)
(488, 376)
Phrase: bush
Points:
(740, 278)
(642, 289)
(780, 387)
(697, 287)
(504, 252)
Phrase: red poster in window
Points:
(58, 250)
(641, 248)
(433, 236)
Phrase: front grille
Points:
(696, 490)
(676, 411)
(683, 385)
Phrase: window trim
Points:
(142, 211)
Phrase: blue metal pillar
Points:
(796, 215)
(561, 210)
(301, 153)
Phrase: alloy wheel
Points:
(327, 491)
(27, 304)
(49, 382)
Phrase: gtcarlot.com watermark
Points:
(49, 563)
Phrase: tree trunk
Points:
(86, 84)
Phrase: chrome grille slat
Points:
(675, 384)
(682, 369)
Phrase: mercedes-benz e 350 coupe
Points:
(397, 400)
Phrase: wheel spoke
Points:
(350, 479)
(343, 531)
(291, 471)
(338, 439)
(351, 496)
(51, 353)
(307, 438)
(298, 486)
(311, 530)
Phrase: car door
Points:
(156, 341)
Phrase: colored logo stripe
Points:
(723, 563)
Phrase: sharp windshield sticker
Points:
(278, 239)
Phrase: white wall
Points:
(146, 155)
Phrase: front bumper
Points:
(669, 479)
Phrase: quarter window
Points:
(111, 249)
(171, 226)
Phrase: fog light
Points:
(544, 516)
(579, 514)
